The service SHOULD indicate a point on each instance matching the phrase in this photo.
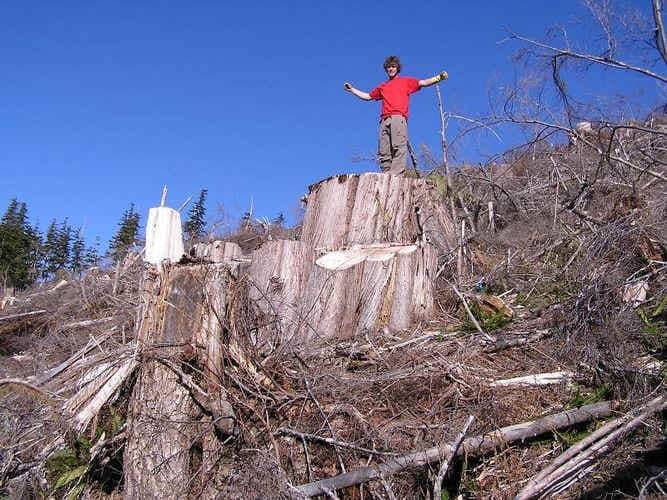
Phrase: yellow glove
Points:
(442, 76)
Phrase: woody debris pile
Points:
(380, 354)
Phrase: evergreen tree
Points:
(11, 214)
(56, 250)
(18, 241)
(194, 226)
(36, 253)
(49, 266)
(63, 240)
(92, 256)
(126, 236)
(77, 254)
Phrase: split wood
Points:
(579, 459)
(437, 486)
(471, 446)
(73, 359)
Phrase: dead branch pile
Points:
(579, 235)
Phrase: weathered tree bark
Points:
(278, 277)
(305, 301)
(183, 320)
(376, 208)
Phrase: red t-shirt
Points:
(395, 95)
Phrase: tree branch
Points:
(660, 40)
(605, 61)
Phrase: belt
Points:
(386, 117)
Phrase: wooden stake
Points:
(164, 196)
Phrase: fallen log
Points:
(578, 460)
(21, 315)
(507, 343)
(471, 446)
(535, 379)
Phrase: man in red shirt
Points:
(395, 97)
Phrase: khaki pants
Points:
(393, 144)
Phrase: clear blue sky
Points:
(104, 102)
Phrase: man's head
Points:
(392, 65)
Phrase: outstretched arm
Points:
(434, 79)
(359, 93)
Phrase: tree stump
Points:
(376, 208)
(170, 415)
(217, 251)
(304, 301)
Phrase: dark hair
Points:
(392, 61)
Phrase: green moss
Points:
(583, 396)
(116, 421)
(488, 321)
(469, 486)
(662, 306)
(61, 463)
(570, 438)
(655, 321)
(68, 471)
(70, 476)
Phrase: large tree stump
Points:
(278, 277)
(304, 301)
(170, 415)
(376, 208)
